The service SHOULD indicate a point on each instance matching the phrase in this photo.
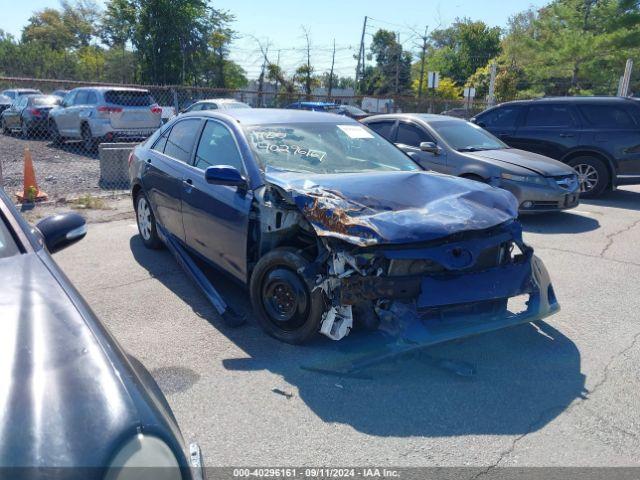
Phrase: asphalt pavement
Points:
(561, 393)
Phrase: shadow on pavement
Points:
(525, 376)
(626, 199)
(560, 222)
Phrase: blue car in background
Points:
(327, 224)
(313, 106)
(346, 110)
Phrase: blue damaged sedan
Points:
(329, 225)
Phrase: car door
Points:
(216, 217)
(12, 114)
(612, 128)
(164, 171)
(550, 129)
(502, 121)
(75, 112)
(61, 114)
(409, 136)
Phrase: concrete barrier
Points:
(114, 164)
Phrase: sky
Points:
(279, 23)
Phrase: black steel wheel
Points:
(286, 307)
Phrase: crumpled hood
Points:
(539, 164)
(394, 207)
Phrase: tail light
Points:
(35, 112)
(106, 111)
(130, 157)
(156, 109)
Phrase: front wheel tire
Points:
(147, 223)
(54, 133)
(286, 308)
(593, 175)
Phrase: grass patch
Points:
(88, 202)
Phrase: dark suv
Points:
(598, 136)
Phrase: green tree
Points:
(392, 72)
(458, 51)
(572, 46)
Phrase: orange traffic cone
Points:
(31, 192)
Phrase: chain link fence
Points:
(78, 140)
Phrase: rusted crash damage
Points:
(430, 258)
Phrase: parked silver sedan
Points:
(457, 147)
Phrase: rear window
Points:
(128, 98)
(181, 139)
(606, 116)
(38, 101)
(549, 116)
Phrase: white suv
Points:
(95, 114)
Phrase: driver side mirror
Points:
(62, 230)
(225, 175)
(430, 147)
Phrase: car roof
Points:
(577, 99)
(270, 116)
(108, 89)
(425, 117)
(218, 100)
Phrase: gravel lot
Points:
(561, 393)
(62, 172)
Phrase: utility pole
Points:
(261, 77)
(423, 60)
(492, 86)
(361, 55)
(398, 55)
(333, 61)
(623, 87)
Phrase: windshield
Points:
(130, 98)
(325, 148)
(466, 137)
(233, 105)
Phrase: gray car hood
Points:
(534, 162)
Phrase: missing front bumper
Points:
(408, 325)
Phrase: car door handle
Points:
(148, 160)
(188, 181)
(567, 135)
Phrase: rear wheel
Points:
(286, 308)
(54, 133)
(3, 126)
(24, 129)
(88, 141)
(147, 223)
(593, 175)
